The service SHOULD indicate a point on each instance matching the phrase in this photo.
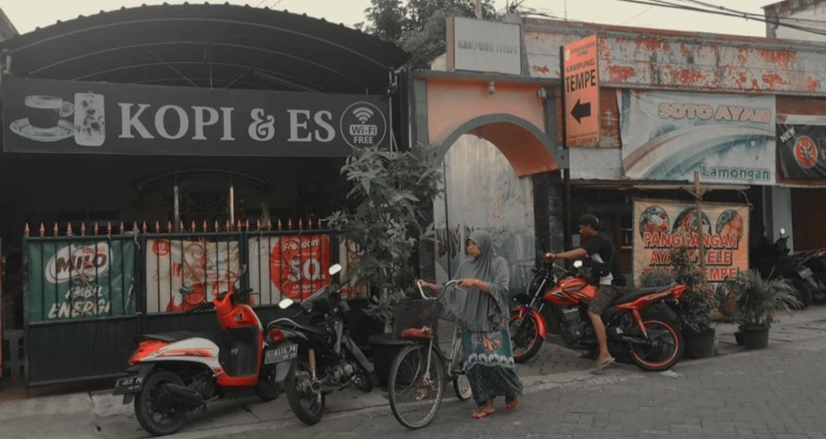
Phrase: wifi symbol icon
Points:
(363, 114)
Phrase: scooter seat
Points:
(289, 323)
(172, 337)
(636, 294)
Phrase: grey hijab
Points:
(472, 308)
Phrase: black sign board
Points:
(802, 150)
(102, 118)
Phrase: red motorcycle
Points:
(653, 345)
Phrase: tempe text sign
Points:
(581, 81)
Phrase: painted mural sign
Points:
(289, 266)
(208, 268)
(85, 279)
(669, 135)
(802, 144)
(663, 225)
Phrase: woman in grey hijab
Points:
(479, 303)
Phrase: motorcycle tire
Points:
(516, 330)
(308, 409)
(803, 292)
(819, 296)
(148, 402)
(668, 333)
(267, 389)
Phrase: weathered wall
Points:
(484, 193)
(645, 58)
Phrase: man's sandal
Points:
(600, 366)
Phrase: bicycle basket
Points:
(415, 314)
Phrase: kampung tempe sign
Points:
(103, 118)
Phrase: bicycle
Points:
(417, 380)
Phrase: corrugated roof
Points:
(219, 46)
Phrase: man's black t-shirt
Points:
(603, 246)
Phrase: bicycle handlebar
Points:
(424, 296)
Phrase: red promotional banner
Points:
(298, 266)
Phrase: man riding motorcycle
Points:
(603, 254)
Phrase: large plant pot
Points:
(755, 337)
(360, 325)
(698, 344)
(385, 347)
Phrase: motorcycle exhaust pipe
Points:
(316, 386)
(181, 395)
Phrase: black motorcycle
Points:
(315, 359)
(774, 262)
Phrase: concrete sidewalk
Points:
(97, 414)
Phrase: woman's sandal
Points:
(481, 413)
(511, 404)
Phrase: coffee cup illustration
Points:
(44, 112)
(44, 119)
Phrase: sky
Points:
(26, 15)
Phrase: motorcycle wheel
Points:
(267, 389)
(525, 338)
(307, 406)
(663, 357)
(803, 292)
(157, 416)
(820, 295)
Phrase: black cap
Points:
(590, 220)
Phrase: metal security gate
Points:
(87, 297)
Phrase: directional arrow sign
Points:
(580, 77)
(581, 110)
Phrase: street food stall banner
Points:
(669, 135)
(207, 268)
(102, 118)
(802, 144)
(663, 225)
(84, 279)
(288, 266)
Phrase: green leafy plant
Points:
(655, 279)
(757, 298)
(697, 302)
(385, 217)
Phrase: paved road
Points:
(777, 393)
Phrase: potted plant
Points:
(383, 220)
(756, 301)
(696, 305)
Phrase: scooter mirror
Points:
(577, 264)
(286, 303)
(782, 231)
(334, 269)
(185, 291)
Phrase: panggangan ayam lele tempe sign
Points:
(663, 225)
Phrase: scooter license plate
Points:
(281, 353)
(806, 272)
(130, 384)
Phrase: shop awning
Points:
(208, 46)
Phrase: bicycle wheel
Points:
(415, 389)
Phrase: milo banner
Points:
(84, 279)
(669, 135)
(289, 266)
(208, 268)
(802, 146)
(661, 226)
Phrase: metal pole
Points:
(566, 176)
(177, 212)
(231, 205)
(448, 237)
(479, 9)
(699, 203)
